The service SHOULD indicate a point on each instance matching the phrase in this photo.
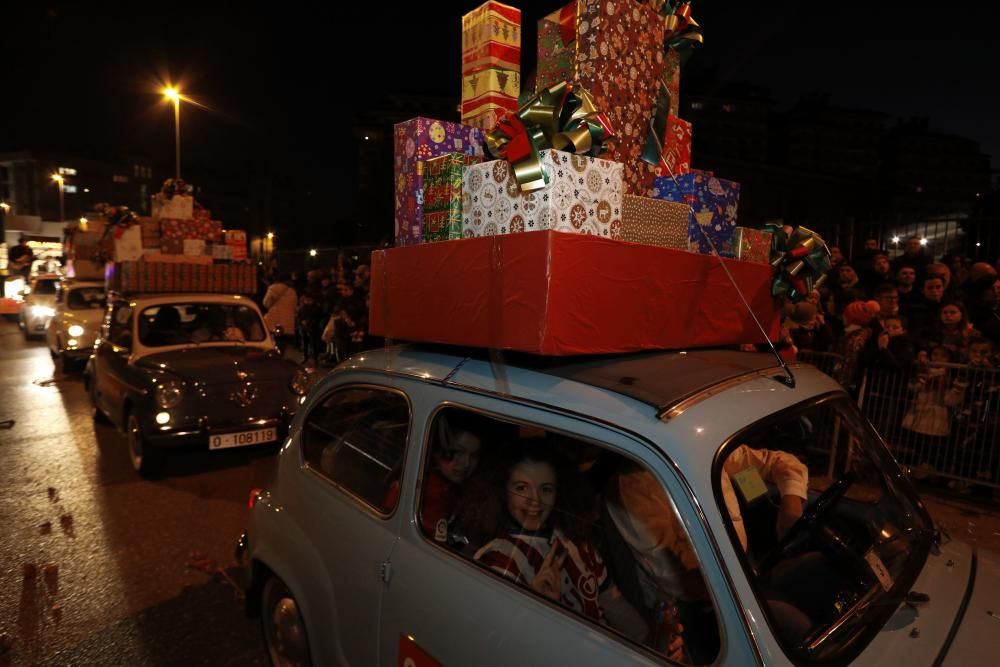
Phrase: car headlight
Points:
(300, 382)
(169, 394)
(42, 311)
(75, 330)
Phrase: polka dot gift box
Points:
(583, 196)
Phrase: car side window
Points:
(120, 325)
(356, 438)
(571, 521)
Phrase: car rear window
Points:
(85, 298)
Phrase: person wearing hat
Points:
(858, 315)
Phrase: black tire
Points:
(283, 626)
(69, 365)
(146, 459)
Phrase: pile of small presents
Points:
(179, 248)
(571, 220)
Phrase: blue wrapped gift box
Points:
(713, 201)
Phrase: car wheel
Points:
(145, 458)
(284, 629)
(68, 365)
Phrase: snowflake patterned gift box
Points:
(491, 63)
(416, 141)
(583, 196)
(713, 201)
(617, 56)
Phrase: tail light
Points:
(255, 495)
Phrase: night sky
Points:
(281, 83)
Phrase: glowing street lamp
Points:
(58, 179)
(174, 95)
(312, 253)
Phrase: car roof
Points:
(660, 379)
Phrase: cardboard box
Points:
(150, 232)
(676, 156)
(236, 241)
(127, 244)
(655, 222)
(84, 269)
(146, 276)
(563, 294)
(583, 196)
(491, 63)
(194, 247)
(714, 206)
(416, 141)
(556, 47)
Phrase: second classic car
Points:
(190, 369)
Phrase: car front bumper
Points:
(199, 435)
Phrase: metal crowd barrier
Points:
(940, 420)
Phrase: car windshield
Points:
(86, 298)
(829, 572)
(46, 287)
(182, 323)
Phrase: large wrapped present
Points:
(147, 276)
(563, 294)
(176, 228)
(655, 222)
(415, 142)
(442, 215)
(180, 207)
(583, 196)
(620, 60)
(194, 247)
(491, 63)
(236, 241)
(176, 258)
(750, 245)
(713, 201)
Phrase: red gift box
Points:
(538, 292)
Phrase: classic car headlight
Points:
(75, 330)
(42, 311)
(300, 382)
(169, 394)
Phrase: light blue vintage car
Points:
(443, 506)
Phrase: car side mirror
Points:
(124, 342)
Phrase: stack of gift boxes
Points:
(597, 149)
(180, 248)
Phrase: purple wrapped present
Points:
(713, 201)
(417, 140)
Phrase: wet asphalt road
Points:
(101, 567)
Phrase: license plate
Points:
(242, 439)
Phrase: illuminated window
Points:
(67, 171)
(69, 189)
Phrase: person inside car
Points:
(453, 461)
(165, 328)
(530, 502)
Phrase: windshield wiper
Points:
(848, 620)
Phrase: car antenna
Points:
(788, 379)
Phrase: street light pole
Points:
(174, 95)
(58, 178)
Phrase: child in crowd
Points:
(894, 349)
(952, 329)
(857, 318)
(929, 417)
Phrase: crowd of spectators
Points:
(323, 312)
(881, 313)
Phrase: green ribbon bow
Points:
(801, 261)
(558, 117)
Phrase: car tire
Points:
(68, 365)
(146, 459)
(283, 626)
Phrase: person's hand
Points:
(546, 580)
(675, 646)
(883, 340)
(788, 514)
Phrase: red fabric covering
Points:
(559, 294)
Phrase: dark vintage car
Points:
(190, 369)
